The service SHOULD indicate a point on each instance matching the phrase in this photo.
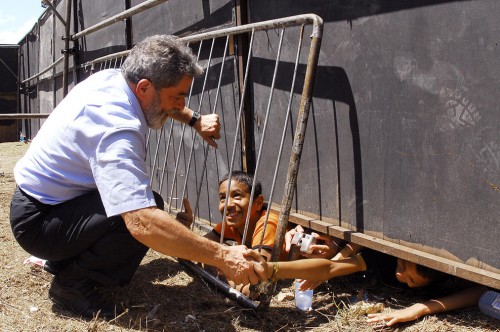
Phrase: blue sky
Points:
(17, 19)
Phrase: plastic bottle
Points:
(489, 304)
(303, 299)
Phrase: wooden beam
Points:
(456, 268)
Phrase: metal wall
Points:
(402, 142)
(404, 138)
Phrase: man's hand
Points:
(208, 127)
(257, 256)
(186, 217)
(240, 267)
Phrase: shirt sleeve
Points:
(119, 170)
(270, 234)
(230, 234)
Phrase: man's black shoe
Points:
(82, 298)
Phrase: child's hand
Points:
(289, 236)
(186, 217)
(307, 284)
(326, 250)
(398, 316)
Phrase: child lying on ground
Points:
(349, 260)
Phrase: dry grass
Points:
(164, 296)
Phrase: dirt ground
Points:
(165, 296)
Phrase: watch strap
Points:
(194, 118)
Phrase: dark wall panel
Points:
(105, 41)
(181, 18)
(403, 141)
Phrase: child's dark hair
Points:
(431, 274)
(246, 179)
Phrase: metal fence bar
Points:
(285, 125)
(181, 143)
(206, 148)
(193, 134)
(43, 71)
(22, 116)
(238, 123)
(298, 142)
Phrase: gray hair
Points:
(162, 59)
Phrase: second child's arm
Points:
(462, 299)
(350, 249)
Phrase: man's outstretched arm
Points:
(161, 232)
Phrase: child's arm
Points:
(350, 249)
(462, 299)
(315, 269)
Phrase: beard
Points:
(155, 116)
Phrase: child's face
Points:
(238, 202)
(406, 272)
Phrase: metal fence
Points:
(183, 165)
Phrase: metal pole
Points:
(298, 143)
(21, 116)
(119, 17)
(66, 51)
(49, 4)
(44, 71)
(220, 284)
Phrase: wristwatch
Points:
(194, 118)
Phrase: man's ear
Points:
(144, 89)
